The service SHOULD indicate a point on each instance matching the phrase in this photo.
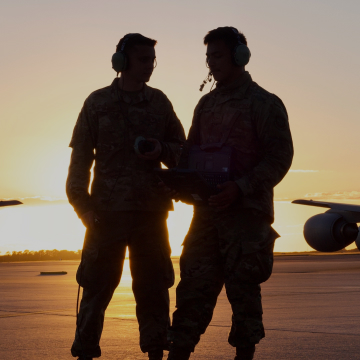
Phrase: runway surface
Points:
(311, 311)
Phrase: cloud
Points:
(45, 198)
(42, 200)
(304, 171)
(327, 196)
(338, 195)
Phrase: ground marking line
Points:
(53, 313)
(27, 313)
(313, 332)
(307, 293)
(127, 319)
(31, 312)
(18, 315)
(296, 331)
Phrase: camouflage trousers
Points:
(234, 248)
(146, 236)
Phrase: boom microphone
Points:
(206, 80)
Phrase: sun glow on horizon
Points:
(56, 226)
(68, 54)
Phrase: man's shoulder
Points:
(203, 99)
(100, 95)
(207, 96)
(259, 94)
(261, 97)
(156, 95)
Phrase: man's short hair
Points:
(227, 35)
(134, 40)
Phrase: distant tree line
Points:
(46, 255)
(41, 255)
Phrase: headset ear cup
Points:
(119, 62)
(242, 55)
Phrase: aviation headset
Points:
(119, 60)
(241, 53)
(240, 56)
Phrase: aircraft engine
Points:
(357, 241)
(329, 232)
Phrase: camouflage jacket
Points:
(105, 132)
(260, 138)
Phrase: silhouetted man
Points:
(125, 207)
(231, 241)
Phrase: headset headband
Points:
(126, 39)
(236, 31)
(119, 60)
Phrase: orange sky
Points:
(54, 54)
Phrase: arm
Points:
(183, 162)
(173, 140)
(193, 136)
(83, 143)
(276, 143)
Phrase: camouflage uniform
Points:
(132, 209)
(233, 246)
(110, 121)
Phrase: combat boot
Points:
(156, 354)
(177, 353)
(245, 353)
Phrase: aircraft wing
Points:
(10, 202)
(329, 205)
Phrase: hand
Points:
(230, 192)
(90, 220)
(153, 155)
(170, 193)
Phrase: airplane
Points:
(10, 203)
(333, 230)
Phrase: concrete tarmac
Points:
(311, 311)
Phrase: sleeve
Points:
(173, 140)
(277, 148)
(83, 142)
(193, 136)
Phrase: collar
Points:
(236, 89)
(143, 95)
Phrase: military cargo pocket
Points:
(87, 272)
(262, 241)
(250, 258)
(266, 262)
(255, 267)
